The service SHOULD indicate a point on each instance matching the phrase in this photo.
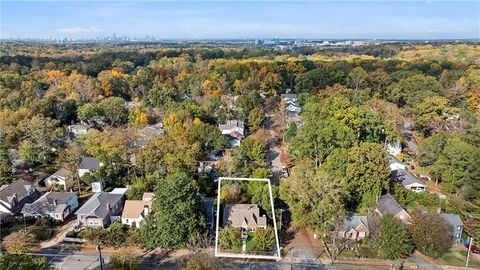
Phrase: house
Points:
(15, 195)
(396, 164)
(148, 196)
(403, 177)
(78, 130)
(244, 216)
(100, 210)
(205, 167)
(152, 131)
(387, 205)
(62, 178)
(135, 211)
(87, 164)
(354, 227)
(457, 226)
(208, 203)
(57, 205)
(97, 186)
(235, 130)
(408, 180)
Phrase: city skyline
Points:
(242, 20)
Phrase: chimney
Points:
(145, 210)
(109, 206)
(54, 201)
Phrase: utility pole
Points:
(468, 253)
(100, 256)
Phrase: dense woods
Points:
(355, 101)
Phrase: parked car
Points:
(473, 249)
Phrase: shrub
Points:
(230, 238)
(124, 259)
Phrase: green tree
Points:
(177, 213)
(363, 170)
(431, 149)
(315, 199)
(458, 167)
(431, 233)
(262, 198)
(10, 261)
(316, 140)
(230, 238)
(413, 90)
(392, 239)
(357, 77)
(41, 139)
(264, 239)
(5, 163)
(255, 118)
(116, 114)
(291, 131)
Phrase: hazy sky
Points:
(241, 19)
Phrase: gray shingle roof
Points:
(45, 204)
(89, 163)
(236, 214)
(455, 220)
(353, 221)
(388, 205)
(20, 188)
(406, 178)
(97, 204)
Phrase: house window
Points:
(126, 220)
(459, 228)
(457, 235)
(361, 234)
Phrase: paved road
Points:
(72, 260)
(80, 260)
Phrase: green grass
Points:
(250, 245)
(456, 258)
(348, 253)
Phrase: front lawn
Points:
(457, 258)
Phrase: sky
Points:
(242, 19)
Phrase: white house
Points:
(62, 178)
(135, 211)
(88, 164)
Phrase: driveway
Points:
(302, 248)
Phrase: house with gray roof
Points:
(87, 164)
(399, 172)
(387, 205)
(234, 130)
(62, 178)
(56, 205)
(15, 195)
(408, 180)
(78, 130)
(457, 226)
(354, 227)
(244, 216)
(101, 209)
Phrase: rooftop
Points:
(89, 163)
(134, 208)
(388, 205)
(97, 204)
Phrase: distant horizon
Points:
(223, 20)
